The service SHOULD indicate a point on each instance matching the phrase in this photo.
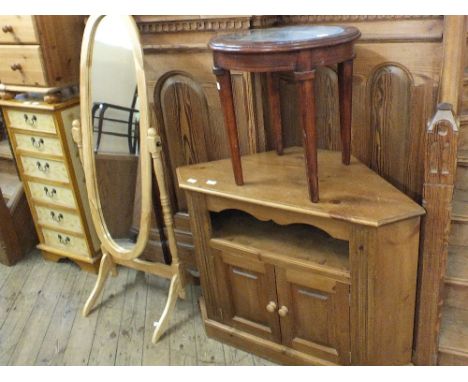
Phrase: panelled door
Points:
(314, 312)
(247, 293)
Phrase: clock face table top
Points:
(284, 39)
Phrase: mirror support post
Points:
(154, 147)
(176, 289)
(77, 137)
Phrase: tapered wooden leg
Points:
(305, 82)
(107, 266)
(163, 322)
(227, 102)
(273, 86)
(345, 85)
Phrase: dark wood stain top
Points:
(351, 193)
(284, 39)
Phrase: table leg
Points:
(273, 86)
(224, 84)
(307, 119)
(345, 85)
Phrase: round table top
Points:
(284, 38)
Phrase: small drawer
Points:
(65, 242)
(59, 218)
(32, 121)
(45, 168)
(18, 30)
(45, 145)
(60, 196)
(21, 65)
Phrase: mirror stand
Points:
(174, 271)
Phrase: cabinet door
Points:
(247, 293)
(314, 313)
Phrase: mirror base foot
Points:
(107, 266)
(174, 291)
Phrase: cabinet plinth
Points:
(302, 283)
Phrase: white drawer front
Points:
(45, 168)
(60, 196)
(59, 218)
(46, 145)
(31, 121)
(65, 242)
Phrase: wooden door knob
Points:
(271, 307)
(7, 29)
(15, 66)
(283, 311)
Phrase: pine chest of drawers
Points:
(53, 178)
(39, 51)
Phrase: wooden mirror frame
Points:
(89, 163)
(150, 154)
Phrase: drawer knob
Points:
(16, 66)
(63, 240)
(7, 29)
(50, 193)
(43, 168)
(271, 307)
(30, 121)
(37, 143)
(56, 217)
(283, 311)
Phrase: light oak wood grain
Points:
(343, 187)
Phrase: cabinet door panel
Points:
(246, 287)
(317, 316)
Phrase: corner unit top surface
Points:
(353, 193)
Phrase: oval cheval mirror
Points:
(119, 151)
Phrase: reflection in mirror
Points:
(115, 116)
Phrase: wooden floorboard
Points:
(155, 299)
(182, 347)
(106, 337)
(14, 282)
(209, 352)
(18, 315)
(58, 332)
(4, 273)
(30, 341)
(41, 321)
(80, 340)
(131, 337)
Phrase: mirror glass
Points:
(115, 116)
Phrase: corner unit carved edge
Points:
(439, 175)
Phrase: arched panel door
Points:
(182, 110)
(390, 89)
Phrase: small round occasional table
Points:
(298, 49)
